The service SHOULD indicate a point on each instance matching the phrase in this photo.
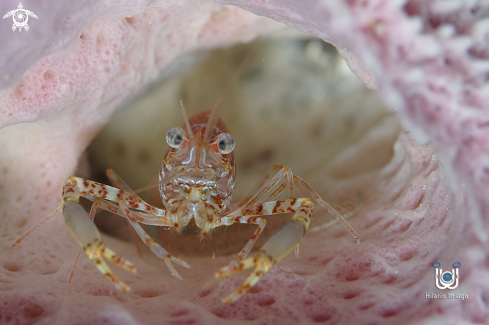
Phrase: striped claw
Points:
(275, 249)
(262, 263)
(96, 253)
(88, 237)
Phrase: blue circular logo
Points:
(447, 277)
(436, 265)
(457, 265)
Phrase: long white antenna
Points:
(214, 114)
(185, 118)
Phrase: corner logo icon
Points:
(447, 279)
(20, 17)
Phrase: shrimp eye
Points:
(175, 137)
(225, 143)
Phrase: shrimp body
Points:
(202, 180)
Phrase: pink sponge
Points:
(428, 61)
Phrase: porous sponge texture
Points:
(428, 61)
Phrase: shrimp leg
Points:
(282, 242)
(93, 212)
(274, 168)
(328, 207)
(265, 189)
(159, 251)
(88, 237)
(86, 233)
(275, 249)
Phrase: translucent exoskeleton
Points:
(196, 181)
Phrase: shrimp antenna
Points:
(214, 113)
(185, 118)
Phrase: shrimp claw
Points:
(88, 237)
(275, 249)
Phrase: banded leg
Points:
(140, 217)
(285, 240)
(88, 237)
(154, 246)
(239, 216)
(118, 182)
(266, 188)
(251, 242)
(86, 233)
(273, 169)
(275, 249)
(93, 212)
(159, 251)
(78, 223)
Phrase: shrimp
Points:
(197, 180)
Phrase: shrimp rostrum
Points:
(196, 181)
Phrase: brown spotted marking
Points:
(111, 277)
(278, 190)
(259, 209)
(256, 234)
